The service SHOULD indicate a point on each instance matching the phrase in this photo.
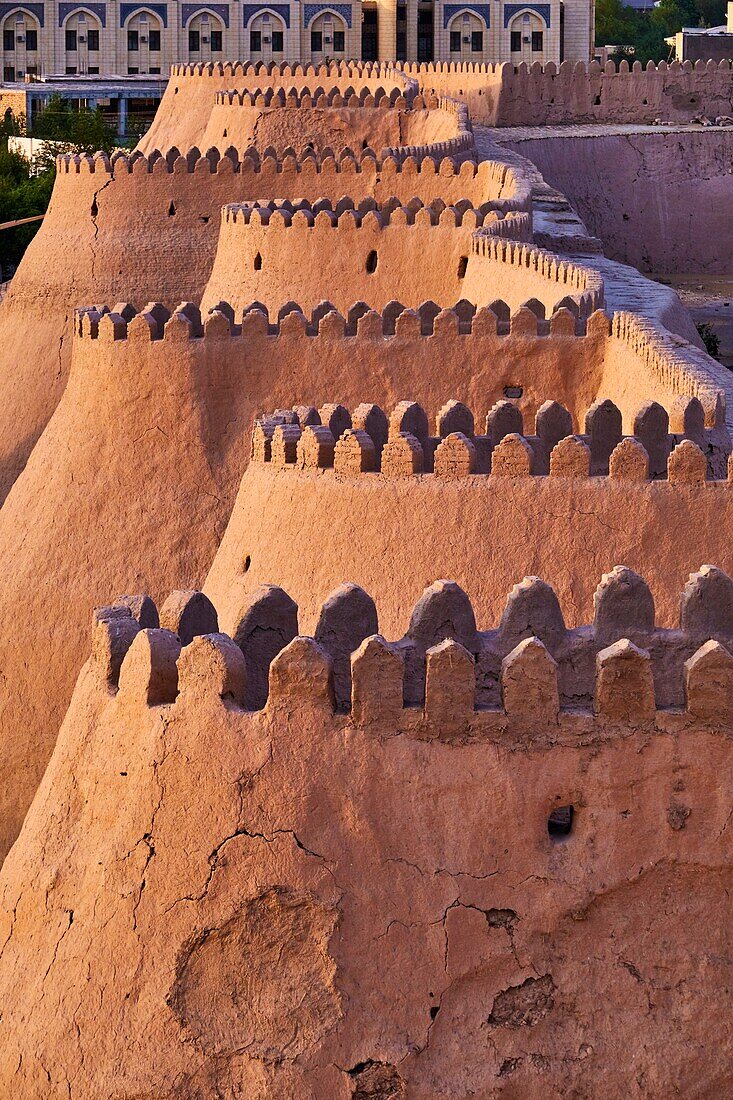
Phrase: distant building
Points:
(119, 98)
(124, 37)
(602, 54)
(704, 44)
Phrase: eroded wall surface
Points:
(656, 200)
(502, 95)
(299, 903)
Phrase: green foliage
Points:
(22, 194)
(646, 31)
(71, 131)
(25, 189)
(710, 339)
(137, 127)
(11, 125)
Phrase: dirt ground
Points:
(710, 301)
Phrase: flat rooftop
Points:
(93, 86)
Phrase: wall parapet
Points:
(676, 449)
(585, 281)
(504, 95)
(349, 69)
(321, 97)
(565, 68)
(155, 322)
(345, 214)
(679, 365)
(616, 674)
(679, 368)
(271, 161)
(460, 145)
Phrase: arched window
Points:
(467, 37)
(527, 38)
(144, 32)
(205, 37)
(328, 36)
(21, 45)
(82, 33)
(267, 37)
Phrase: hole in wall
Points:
(462, 265)
(258, 262)
(371, 262)
(172, 210)
(364, 144)
(247, 563)
(645, 102)
(560, 822)
(95, 208)
(205, 218)
(225, 134)
(597, 101)
(513, 392)
(175, 91)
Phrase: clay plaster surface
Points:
(295, 904)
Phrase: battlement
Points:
(564, 69)
(514, 225)
(580, 358)
(585, 281)
(271, 162)
(459, 146)
(504, 95)
(400, 445)
(273, 72)
(444, 677)
(466, 261)
(155, 322)
(677, 364)
(320, 97)
(344, 214)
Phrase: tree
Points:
(615, 24)
(71, 130)
(711, 12)
(21, 196)
(646, 31)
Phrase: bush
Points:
(65, 130)
(25, 190)
(710, 339)
(645, 31)
(22, 194)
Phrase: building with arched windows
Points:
(126, 37)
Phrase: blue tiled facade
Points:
(189, 10)
(100, 10)
(310, 11)
(250, 10)
(510, 10)
(483, 11)
(126, 10)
